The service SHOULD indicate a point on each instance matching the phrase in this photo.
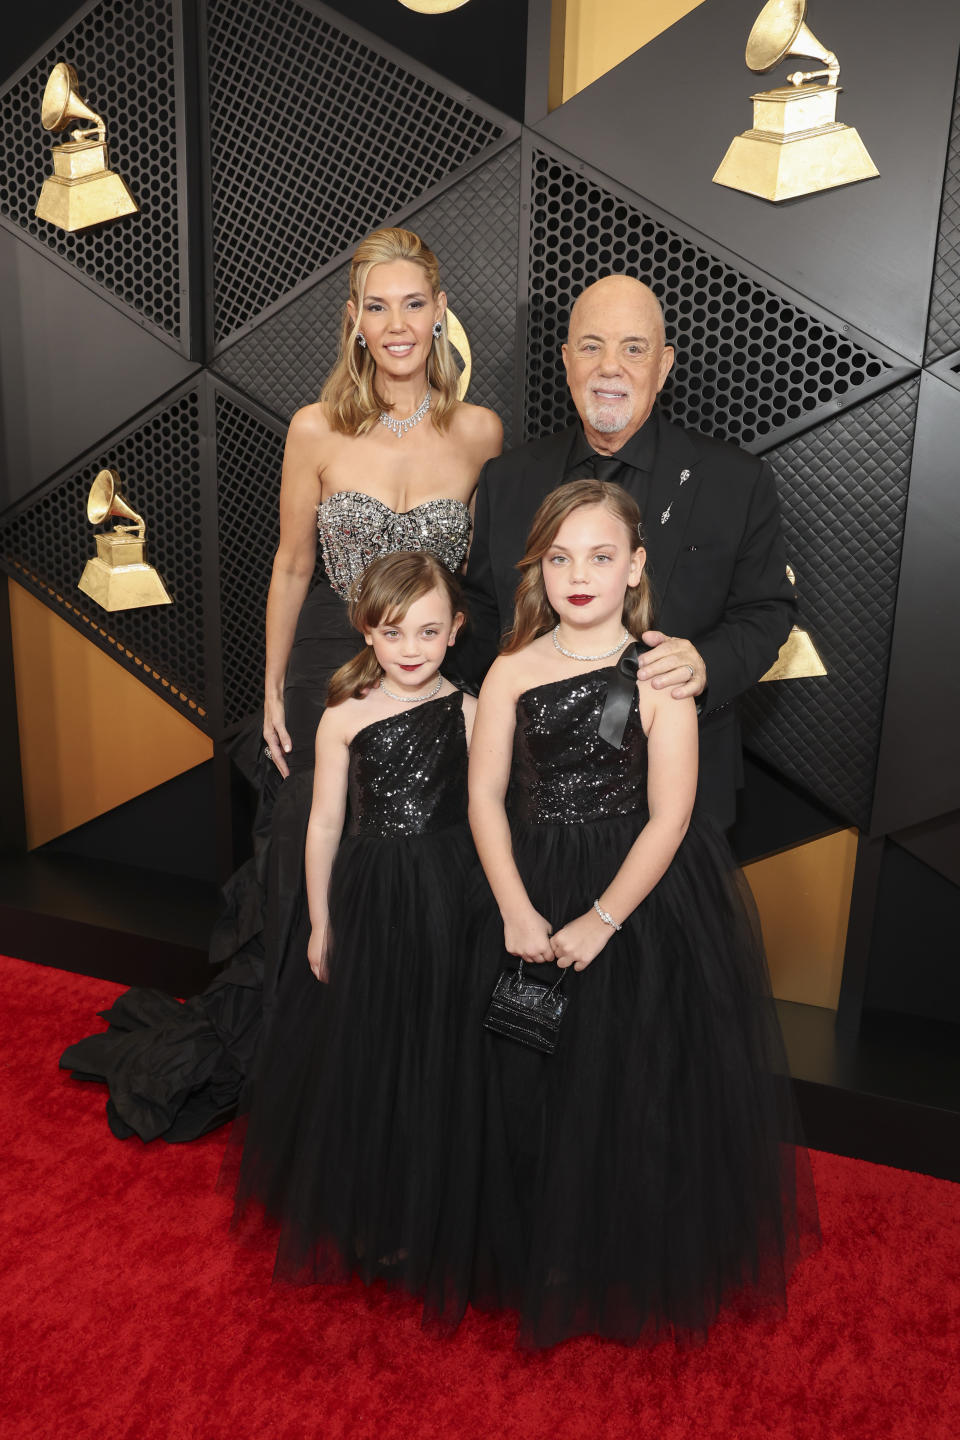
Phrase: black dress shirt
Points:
(631, 466)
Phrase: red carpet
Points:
(129, 1310)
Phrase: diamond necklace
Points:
(400, 427)
(413, 699)
(572, 655)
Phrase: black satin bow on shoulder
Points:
(620, 692)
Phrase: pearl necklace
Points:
(572, 655)
(413, 699)
(400, 427)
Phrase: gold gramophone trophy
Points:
(797, 146)
(798, 658)
(83, 190)
(119, 577)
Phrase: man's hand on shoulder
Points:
(672, 661)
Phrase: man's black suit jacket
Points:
(717, 563)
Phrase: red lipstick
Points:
(579, 599)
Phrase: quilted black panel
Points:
(943, 328)
(249, 457)
(315, 139)
(844, 493)
(748, 361)
(45, 543)
(283, 361)
(123, 52)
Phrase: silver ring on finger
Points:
(692, 671)
(268, 752)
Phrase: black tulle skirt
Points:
(345, 1148)
(651, 1171)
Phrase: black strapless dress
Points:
(177, 1069)
(345, 1146)
(651, 1170)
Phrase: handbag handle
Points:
(548, 995)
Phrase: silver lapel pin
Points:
(684, 476)
(666, 514)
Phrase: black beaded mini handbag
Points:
(527, 1010)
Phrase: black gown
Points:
(651, 1170)
(345, 1144)
(177, 1069)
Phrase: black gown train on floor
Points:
(650, 1170)
(175, 1069)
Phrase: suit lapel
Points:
(673, 489)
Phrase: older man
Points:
(715, 549)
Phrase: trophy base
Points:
(783, 167)
(73, 204)
(798, 659)
(122, 587)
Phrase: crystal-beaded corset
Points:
(355, 528)
(562, 772)
(408, 773)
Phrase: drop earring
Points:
(361, 341)
(437, 329)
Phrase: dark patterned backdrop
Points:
(126, 54)
(313, 134)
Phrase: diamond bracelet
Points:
(605, 917)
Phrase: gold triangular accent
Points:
(798, 658)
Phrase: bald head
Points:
(616, 359)
(623, 293)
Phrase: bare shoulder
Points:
(308, 423)
(339, 723)
(507, 677)
(659, 706)
(478, 427)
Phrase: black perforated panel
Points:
(844, 493)
(943, 330)
(46, 544)
(123, 53)
(283, 361)
(748, 361)
(315, 140)
(249, 457)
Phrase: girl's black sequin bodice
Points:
(563, 773)
(408, 773)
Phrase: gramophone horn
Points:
(779, 30)
(61, 102)
(105, 500)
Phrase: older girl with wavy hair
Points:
(648, 1173)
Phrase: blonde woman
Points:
(386, 460)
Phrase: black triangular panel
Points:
(283, 361)
(249, 458)
(843, 487)
(751, 364)
(75, 367)
(316, 136)
(46, 541)
(943, 331)
(125, 53)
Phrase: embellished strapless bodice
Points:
(408, 773)
(355, 528)
(562, 772)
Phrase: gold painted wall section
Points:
(803, 896)
(598, 34)
(91, 735)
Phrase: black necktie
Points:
(606, 467)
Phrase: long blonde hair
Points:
(350, 395)
(382, 596)
(533, 614)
